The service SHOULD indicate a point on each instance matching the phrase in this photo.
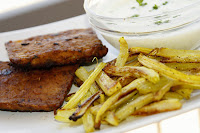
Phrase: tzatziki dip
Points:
(134, 8)
(147, 23)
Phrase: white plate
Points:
(19, 122)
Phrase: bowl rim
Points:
(87, 9)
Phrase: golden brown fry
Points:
(174, 55)
(138, 50)
(125, 80)
(84, 87)
(132, 57)
(129, 71)
(149, 87)
(184, 86)
(102, 98)
(183, 91)
(169, 72)
(121, 101)
(172, 95)
(111, 118)
(134, 105)
(192, 72)
(158, 107)
(159, 94)
(94, 109)
(132, 63)
(64, 114)
(88, 122)
(123, 55)
(124, 100)
(80, 111)
(184, 66)
(87, 95)
(83, 75)
(69, 96)
(111, 100)
(108, 85)
(104, 122)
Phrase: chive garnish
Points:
(139, 2)
(165, 3)
(155, 7)
(136, 15)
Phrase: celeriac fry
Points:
(174, 55)
(102, 98)
(159, 94)
(87, 95)
(144, 72)
(184, 92)
(184, 66)
(138, 50)
(132, 63)
(192, 72)
(96, 103)
(172, 95)
(108, 85)
(123, 54)
(69, 96)
(94, 109)
(84, 87)
(111, 100)
(149, 87)
(88, 121)
(104, 122)
(64, 114)
(123, 100)
(111, 118)
(134, 105)
(125, 80)
(184, 86)
(158, 107)
(80, 111)
(132, 57)
(83, 75)
(137, 64)
(169, 72)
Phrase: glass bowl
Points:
(181, 30)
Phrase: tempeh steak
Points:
(69, 47)
(34, 90)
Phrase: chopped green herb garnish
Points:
(155, 7)
(143, 4)
(139, 2)
(166, 2)
(158, 22)
(166, 21)
(133, 7)
(136, 15)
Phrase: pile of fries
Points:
(141, 81)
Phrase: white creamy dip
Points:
(131, 8)
(152, 23)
